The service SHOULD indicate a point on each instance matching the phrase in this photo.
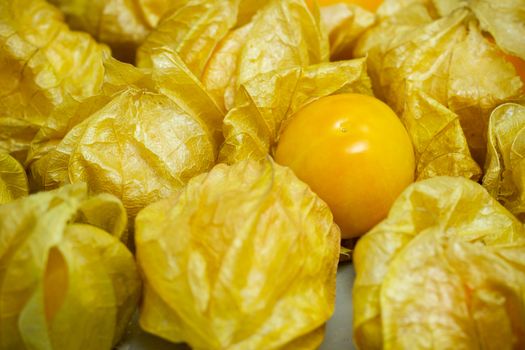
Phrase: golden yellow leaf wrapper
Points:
(220, 75)
(180, 85)
(502, 19)
(445, 270)
(176, 82)
(345, 23)
(248, 8)
(440, 146)
(140, 146)
(285, 34)
(266, 102)
(244, 257)
(444, 58)
(171, 78)
(191, 32)
(505, 169)
(13, 179)
(142, 139)
(42, 64)
(66, 281)
(122, 24)
(57, 125)
(280, 35)
(237, 57)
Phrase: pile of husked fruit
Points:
(211, 162)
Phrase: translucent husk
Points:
(244, 257)
(439, 50)
(445, 270)
(66, 279)
(13, 179)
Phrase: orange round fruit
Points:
(354, 152)
(370, 5)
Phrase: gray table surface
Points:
(338, 332)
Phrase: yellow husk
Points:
(504, 170)
(122, 24)
(43, 64)
(138, 144)
(413, 51)
(445, 270)
(13, 179)
(244, 257)
(265, 104)
(66, 280)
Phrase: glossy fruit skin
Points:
(354, 153)
(370, 5)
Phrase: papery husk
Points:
(345, 23)
(445, 270)
(244, 257)
(66, 280)
(439, 144)
(42, 64)
(504, 170)
(412, 49)
(502, 19)
(122, 24)
(287, 34)
(223, 49)
(138, 144)
(265, 104)
(220, 78)
(13, 179)
(191, 32)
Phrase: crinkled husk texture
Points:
(505, 168)
(190, 32)
(176, 82)
(13, 179)
(224, 50)
(245, 257)
(504, 20)
(66, 281)
(439, 144)
(266, 103)
(193, 29)
(122, 24)
(42, 64)
(137, 144)
(345, 23)
(445, 270)
(248, 8)
(411, 53)
(215, 43)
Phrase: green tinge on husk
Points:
(66, 279)
(13, 179)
